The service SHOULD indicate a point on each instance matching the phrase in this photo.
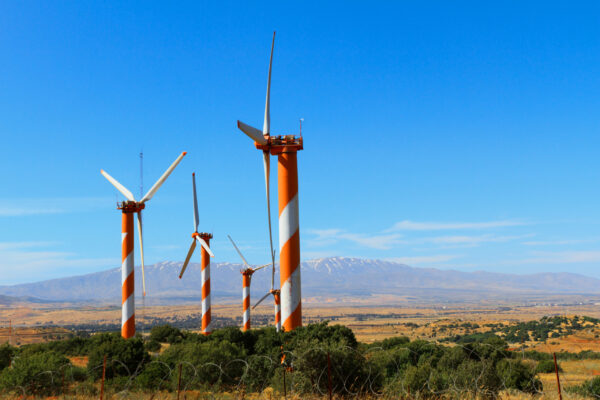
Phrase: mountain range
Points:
(323, 280)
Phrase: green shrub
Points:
(590, 388)
(546, 367)
(209, 363)
(7, 352)
(323, 333)
(85, 388)
(38, 373)
(260, 371)
(395, 342)
(351, 372)
(166, 334)
(416, 380)
(156, 376)
(124, 357)
(152, 346)
(517, 375)
(75, 374)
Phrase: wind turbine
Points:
(285, 148)
(128, 208)
(246, 277)
(202, 238)
(276, 293)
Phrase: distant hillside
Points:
(9, 300)
(336, 277)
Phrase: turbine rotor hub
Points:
(130, 206)
(202, 235)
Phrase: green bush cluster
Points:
(546, 367)
(563, 355)
(431, 370)
(589, 388)
(230, 359)
(40, 373)
(524, 331)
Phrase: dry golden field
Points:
(369, 323)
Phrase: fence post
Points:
(284, 388)
(329, 375)
(103, 378)
(557, 377)
(179, 382)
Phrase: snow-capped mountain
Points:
(334, 277)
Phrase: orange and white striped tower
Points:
(246, 277)
(205, 275)
(276, 293)
(246, 272)
(128, 208)
(289, 231)
(204, 239)
(277, 299)
(285, 148)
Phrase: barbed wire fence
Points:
(316, 372)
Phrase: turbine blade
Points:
(252, 132)
(162, 179)
(261, 300)
(238, 251)
(267, 123)
(205, 246)
(128, 195)
(267, 167)
(196, 218)
(187, 258)
(261, 267)
(139, 225)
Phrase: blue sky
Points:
(462, 136)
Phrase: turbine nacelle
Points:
(272, 144)
(250, 270)
(281, 144)
(131, 206)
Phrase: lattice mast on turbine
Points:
(128, 208)
(285, 148)
(246, 272)
(204, 239)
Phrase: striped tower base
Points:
(289, 241)
(127, 275)
(277, 299)
(206, 312)
(246, 299)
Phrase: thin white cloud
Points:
(327, 237)
(563, 257)
(560, 242)
(4, 246)
(542, 257)
(437, 226)
(45, 206)
(28, 262)
(470, 241)
(432, 259)
(389, 240)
